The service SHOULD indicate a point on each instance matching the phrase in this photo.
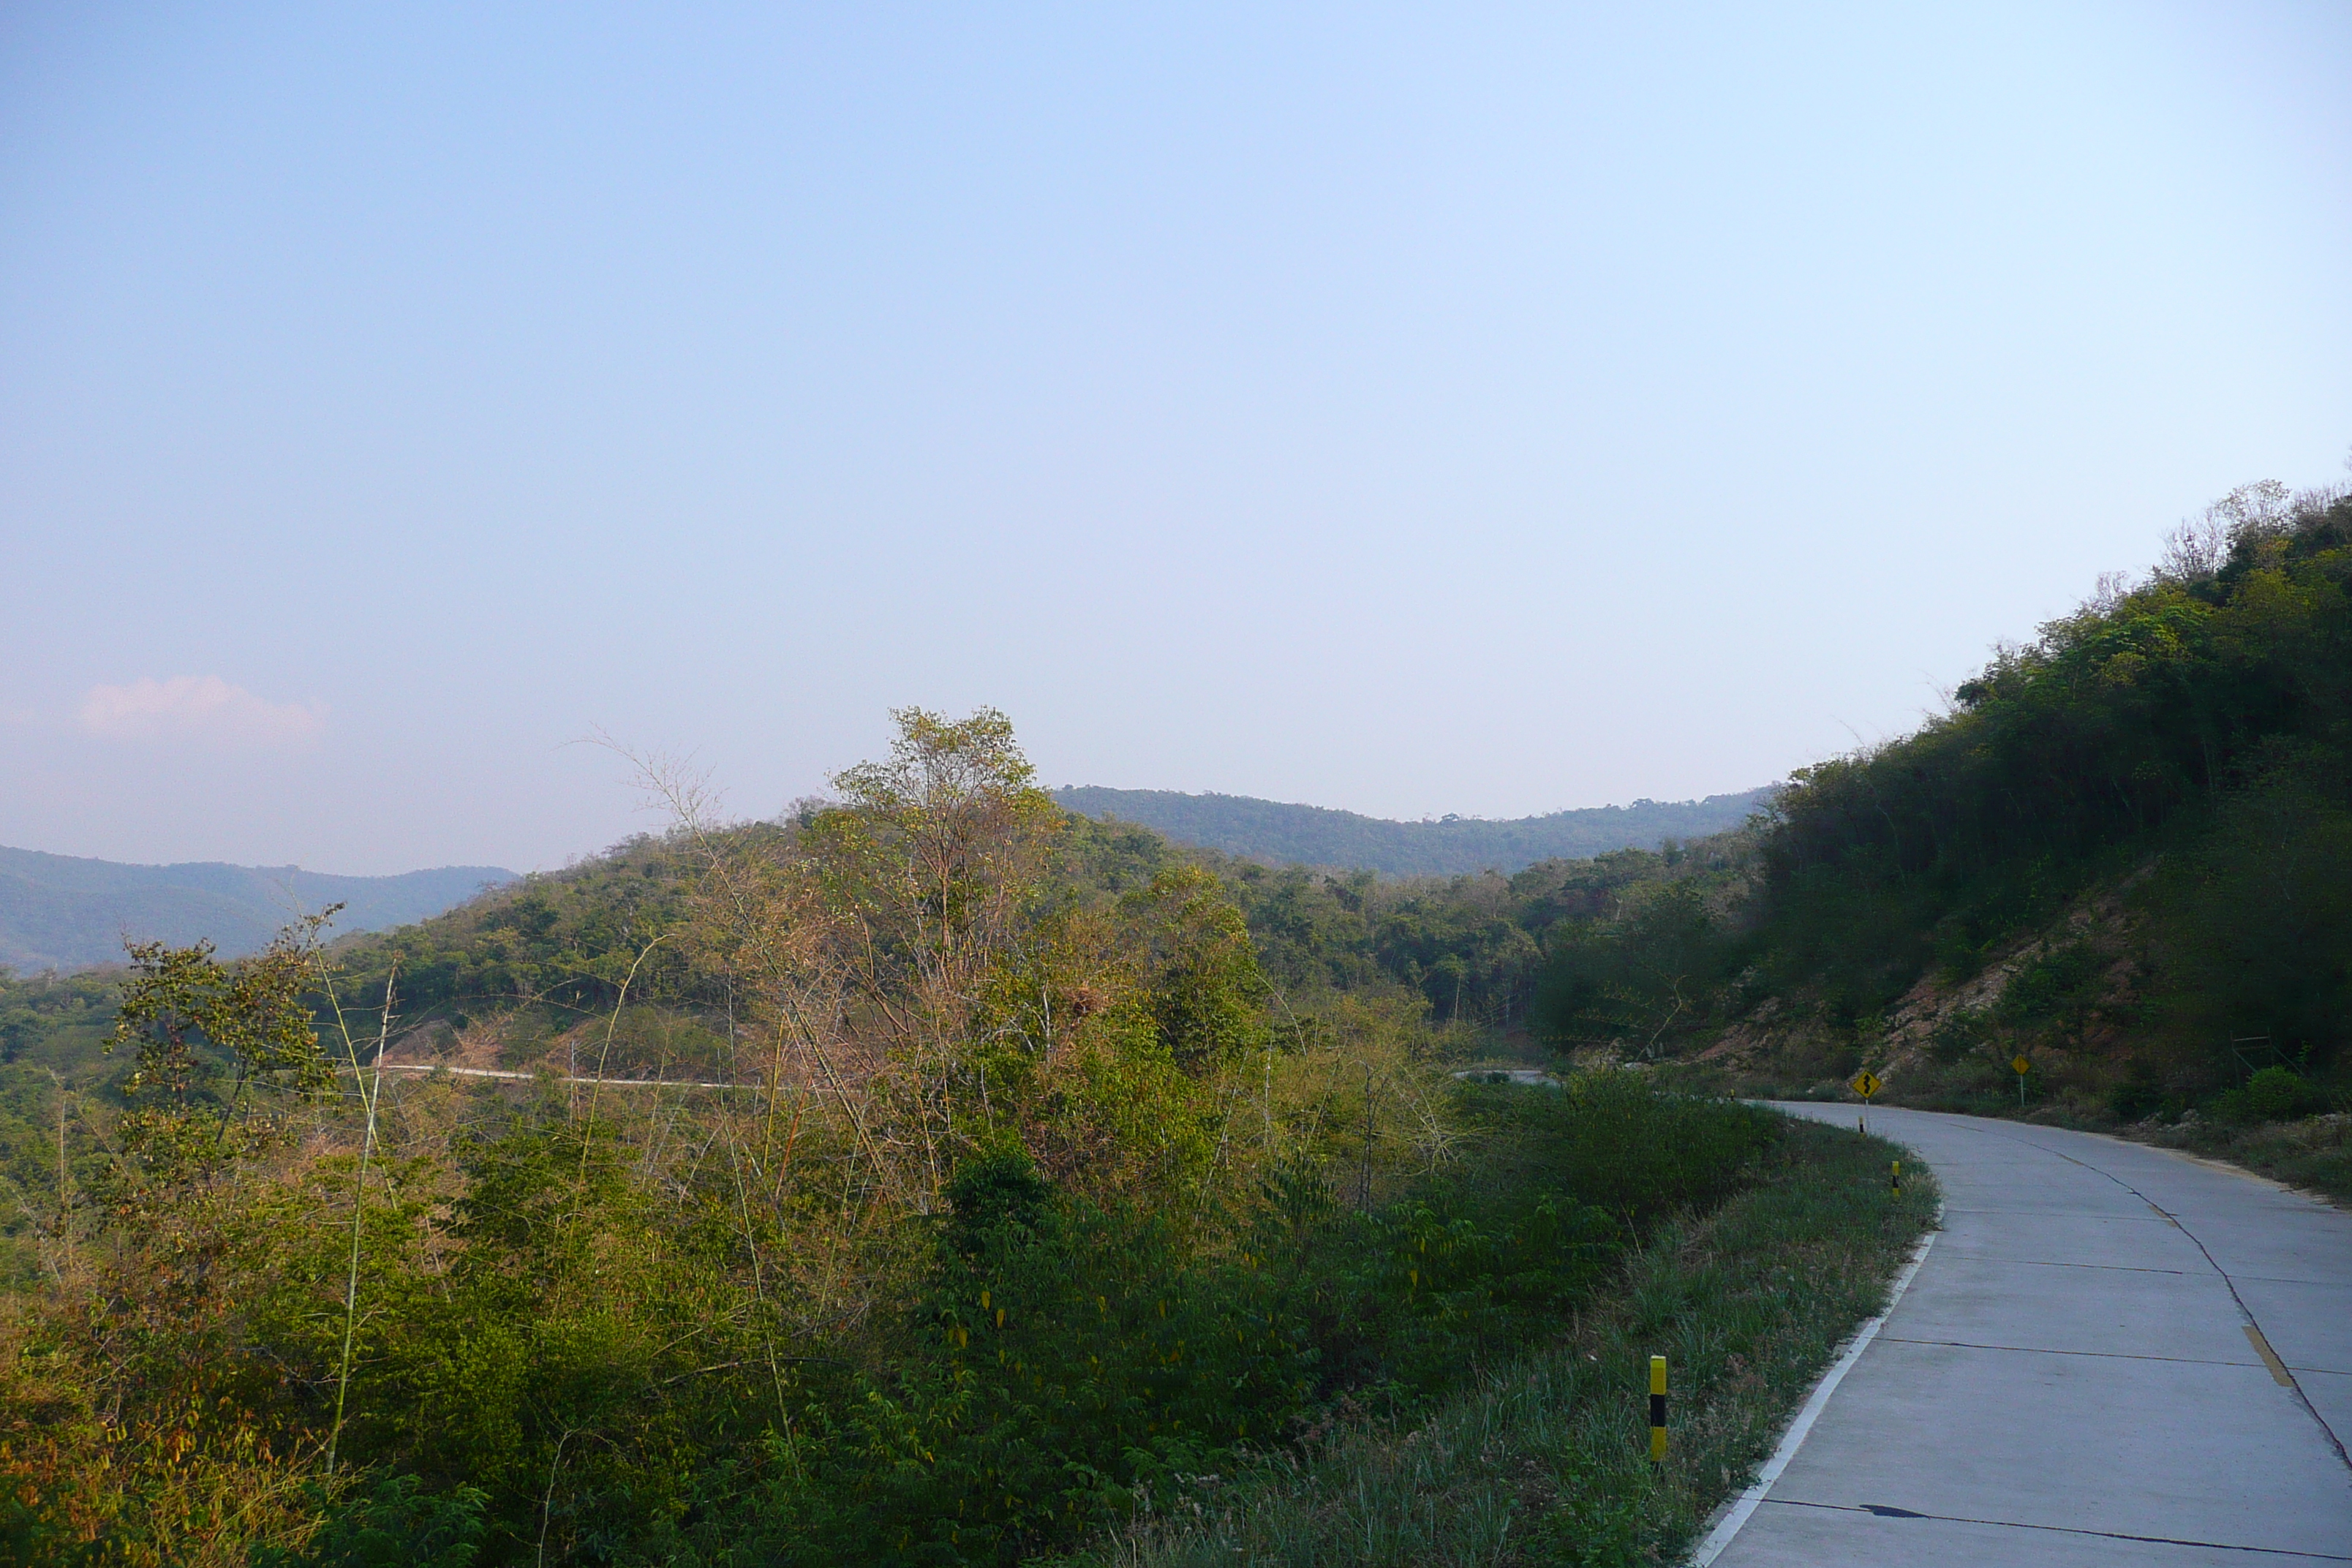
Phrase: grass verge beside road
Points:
(1545, 1459)
(2314, 1154)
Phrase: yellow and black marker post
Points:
(1657, 1410)
(1895, 1179)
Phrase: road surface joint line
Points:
(1736, 1512)
(2073, 1214)
(2112, 1268)
(2244, 1312)
(2104, 1356)
(1883, 1511)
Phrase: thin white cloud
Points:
(196, 707)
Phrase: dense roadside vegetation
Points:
(1541, 1459)
(996, 1184)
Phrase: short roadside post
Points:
(1895, 1179)
(1866, 1083)
(2019, 1065)
(1657, 1410)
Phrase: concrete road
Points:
(2110, 1356)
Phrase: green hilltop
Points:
(1282, 834)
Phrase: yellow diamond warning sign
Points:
(2018, 1064)
(1865, 1083)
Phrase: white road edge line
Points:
(1736, 1512)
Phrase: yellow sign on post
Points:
(1866, 1083)
(2019, 1065)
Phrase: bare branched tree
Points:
(2199, 549)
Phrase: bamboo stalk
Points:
(370, 1094)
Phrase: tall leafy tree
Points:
(205, 1037)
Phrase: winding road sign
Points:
(1866, 1083)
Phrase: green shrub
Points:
(395, 1524)
(2277, 1093)
(2058, 988)
(2135, 1098)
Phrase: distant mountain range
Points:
(1316, 836)
(60, 911)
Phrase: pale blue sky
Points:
(1460, 408)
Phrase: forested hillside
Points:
(1280, 833)
(2184, 746)
(62, 912)
(2126, 854)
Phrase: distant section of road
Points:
(510, 1076)
(2112, 1355)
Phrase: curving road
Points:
(2110, 1356)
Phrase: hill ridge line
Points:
(1283, 832)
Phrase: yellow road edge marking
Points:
(2279, 1373)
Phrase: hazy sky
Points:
(1445, 409)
